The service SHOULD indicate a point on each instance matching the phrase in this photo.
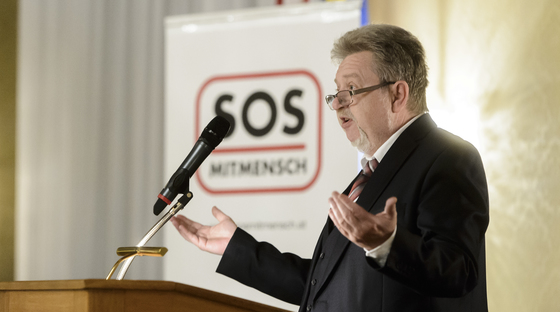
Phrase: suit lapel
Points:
(381, 177)
(393, 161)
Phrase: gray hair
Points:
(397, 55)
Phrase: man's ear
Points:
(399, 94)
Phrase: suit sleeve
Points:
(261, 266)
(439, 255)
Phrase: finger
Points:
(391, 207)
(338, 199)
(334, 212)
(184, 232)
(175, 223)
(194, 230)
(338, 218)
(346, 207)
(178, 221)
(188, 223)
(193, 238)
(333, 217)
(343, 201)
(331, 202)
(219, 215)
(182, 219)
(336, 202)
(336, 223)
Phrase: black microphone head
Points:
(215, 131)
(159, 206)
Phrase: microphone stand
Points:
(181, 203)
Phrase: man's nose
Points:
(336, 104)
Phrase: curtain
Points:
(90, 132)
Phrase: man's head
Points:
(397, 55)
(372, 55)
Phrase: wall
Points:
(501, 60)
(8, 44)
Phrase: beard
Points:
(362, 143)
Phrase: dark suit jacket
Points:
(437, 260)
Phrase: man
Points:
(408, 233)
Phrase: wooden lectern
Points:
(94, 295)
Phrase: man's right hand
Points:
(213, 239)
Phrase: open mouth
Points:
(344, 120)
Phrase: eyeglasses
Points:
(345, 96)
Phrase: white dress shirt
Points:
(381, 252)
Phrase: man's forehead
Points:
(360, 76)
(349, 75)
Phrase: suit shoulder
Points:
(445, 140)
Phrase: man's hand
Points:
(213, 239)
(359, 226)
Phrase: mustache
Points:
(346, 113)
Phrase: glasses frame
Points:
(330, 98)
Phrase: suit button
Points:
(322, 255)
(308, 308)
(314, 282)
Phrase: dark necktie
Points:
(362, 179)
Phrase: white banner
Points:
(266, 71)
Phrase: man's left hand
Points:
(359, 226)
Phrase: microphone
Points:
(211, 136)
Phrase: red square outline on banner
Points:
(264, 148)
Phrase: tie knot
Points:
(362, 179)
(372, 164)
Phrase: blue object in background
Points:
(365, 13)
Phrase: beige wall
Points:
(503, 57)
(8, 25)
